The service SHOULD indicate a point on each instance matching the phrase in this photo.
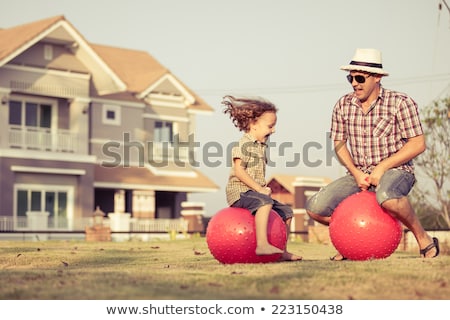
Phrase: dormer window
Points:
(48, 52)
(163, 131)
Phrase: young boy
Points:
(246, 187)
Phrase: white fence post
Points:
(119, 221)
(38, 221)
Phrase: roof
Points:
(145, 179)
(139, 70)
(289, 181)
(130, 70)
(12, 39)
(286, 181)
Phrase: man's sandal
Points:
(434, 244)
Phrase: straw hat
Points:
(368, 60)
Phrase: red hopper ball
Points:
(360, 229)
(231, 236)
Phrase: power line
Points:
(319, 87)
(422, 79)
(444, 92)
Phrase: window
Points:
(111, 115)
(48, 52)
(33, 124)
(51, 199)
(163, 131)
(30, 114)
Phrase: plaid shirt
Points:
(391, 120)
(253, 156)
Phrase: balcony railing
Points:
(9, 224)
(164, 150)
(43, 139)
(13, 224)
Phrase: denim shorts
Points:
(394, 184)
(253, 200)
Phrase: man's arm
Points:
(412, 148)
(346, 159)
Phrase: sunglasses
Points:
(359, 78)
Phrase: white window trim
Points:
(42, 188)
(52, 102)
(117, 111)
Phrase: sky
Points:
(287, 51)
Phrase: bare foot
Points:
(338, 257)
(287, 256)
(266, 250)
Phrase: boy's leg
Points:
(286, 213)
(288, 256)
(263, 247)
(260, 205)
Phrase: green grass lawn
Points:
(185, 269)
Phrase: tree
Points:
(431, 194)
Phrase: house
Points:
(282, 186)
(294, 191)
(84, 125)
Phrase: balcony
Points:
(43, 139)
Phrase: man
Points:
(376, 133)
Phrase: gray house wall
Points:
(75, 78)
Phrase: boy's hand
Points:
(265, 190)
